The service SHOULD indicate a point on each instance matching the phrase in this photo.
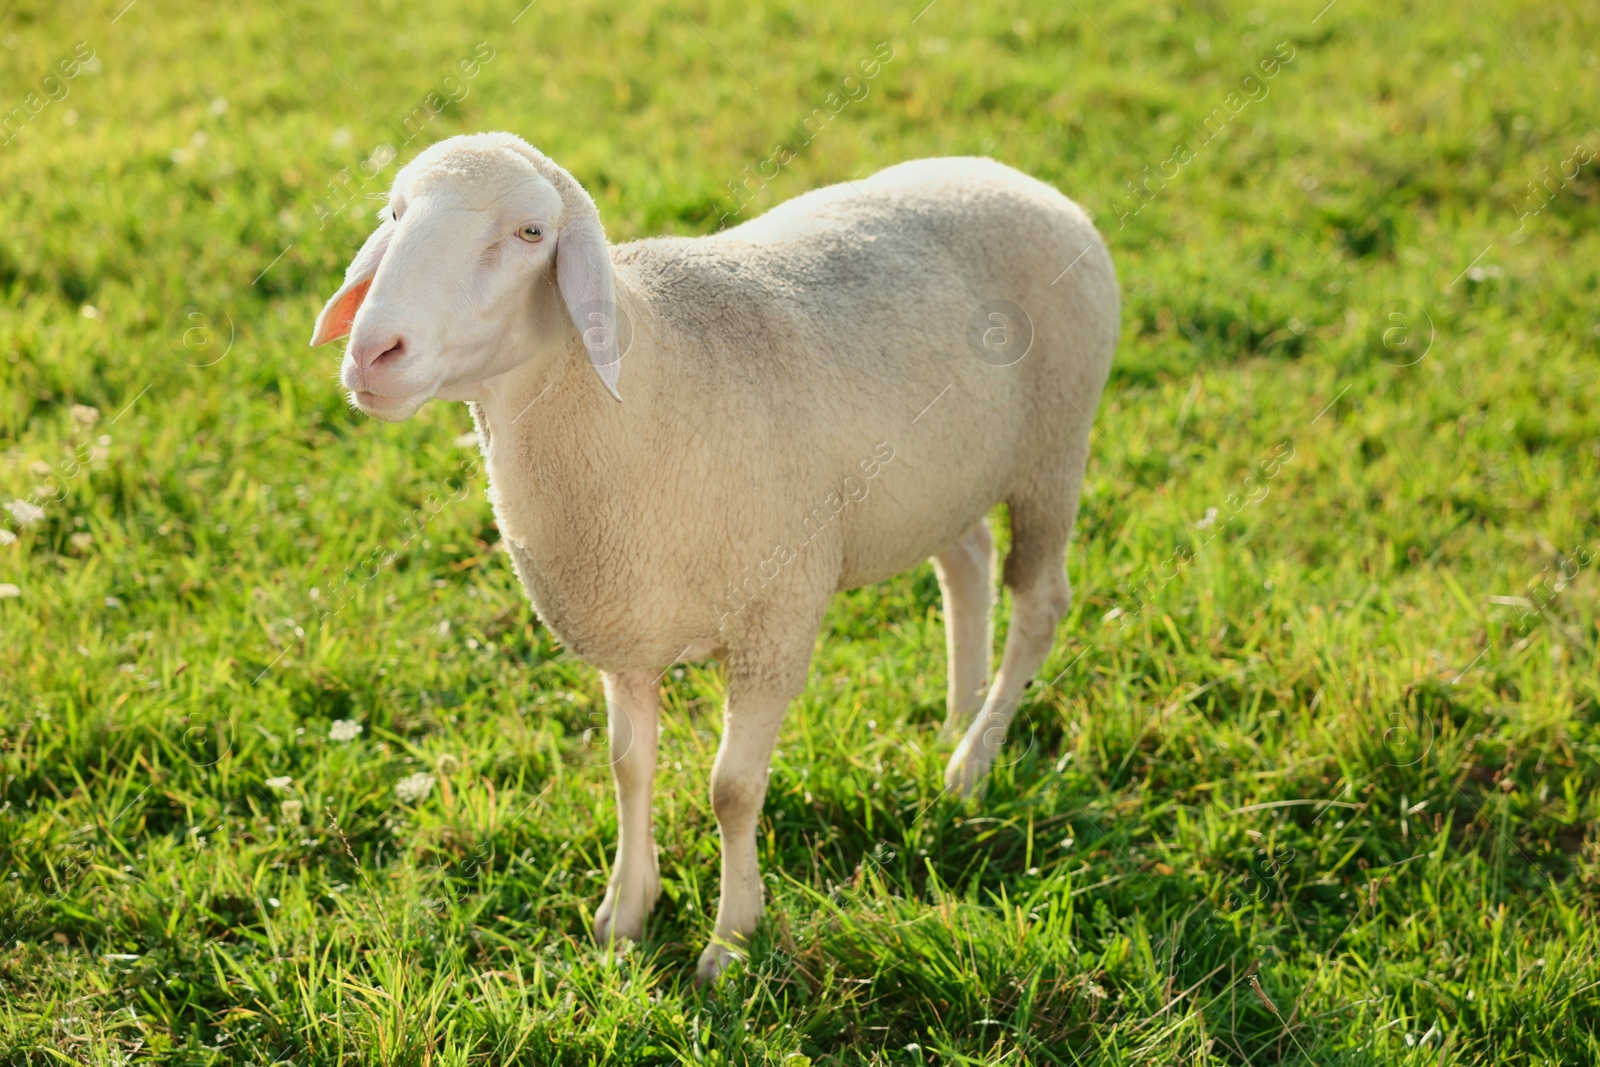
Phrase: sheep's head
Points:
(488, 255)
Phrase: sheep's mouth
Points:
(388, 408)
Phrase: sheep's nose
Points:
(371, 354)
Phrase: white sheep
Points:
(816, 400)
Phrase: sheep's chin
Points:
(389, 408)
(472, 390)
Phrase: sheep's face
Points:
(458, 285)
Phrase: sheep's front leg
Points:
(738, 789)
(631, 702)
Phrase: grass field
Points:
(1311, 776)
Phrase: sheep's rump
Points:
(943, 328)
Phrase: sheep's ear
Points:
(340, 311)
(583, 274)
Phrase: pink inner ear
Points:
(343, 315)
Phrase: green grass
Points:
(1300, 747)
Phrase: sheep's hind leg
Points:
(966, 578)
(1040, 597)
(632, 699)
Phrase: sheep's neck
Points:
(551, 463)
(559, 486)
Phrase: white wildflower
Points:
(83, 413)
(414, 787)
(344, 730)
(9, 591)
(25, 513)
(280, 782)
(291, 811)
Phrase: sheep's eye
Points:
(393, 214)
(531, 234)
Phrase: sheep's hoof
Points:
(965, 770)
(716, 959)
(621, 914)
(610, 928)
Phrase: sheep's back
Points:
(850, 321)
